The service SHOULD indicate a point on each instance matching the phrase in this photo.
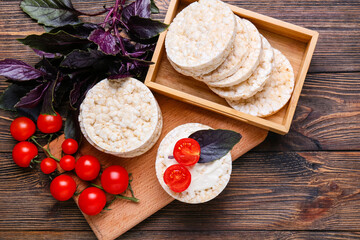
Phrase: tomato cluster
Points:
(186, 153)
(92, 200)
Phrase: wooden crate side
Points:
(301, 79)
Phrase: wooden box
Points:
(296, 43)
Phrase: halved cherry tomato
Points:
(48, 165)
(69, 146)
(187, 151)
(49, 123)
(87, 167)
(63, 187)
(22, 128)
(177, 177)
(92, 200)
(23, 153)
(67, 162)
(115, 179)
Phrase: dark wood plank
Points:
(165, 235)
(336, 20)
(267, 191)
(327, 117)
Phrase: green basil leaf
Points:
(214, 144)
(13, 94)
(59, 42)
(71, 126)
(51, 13)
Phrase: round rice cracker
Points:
(201, 36)
(276, 93)
(250, 63)
(163, 162)
(256, 81)
(235, 59)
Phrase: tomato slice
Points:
(177, 177)
(187, 151)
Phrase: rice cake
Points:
(201, 36)
(276, 93)
(250, 63)
(208, 179)
(256, 81)
(121, 117)
(235, 59)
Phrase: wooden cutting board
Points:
(125, 214)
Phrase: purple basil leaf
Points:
(45, 54)
(214, 144)
(51, 13)
(82, 59)
(145, 28)
(18, 70)
(12, 95)
(34, 97)
(106, 41)
(139, 8)
(120, 76)
(59, 42)
(81, 30)
(48, 103)
(75, 93)
(46, 67)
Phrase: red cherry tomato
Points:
(22, 128)
(92, 200)
(23, 153)
(87, 167)
(49, 123)
(69, 146)
(177, 177)
(63, 187)
(115, 179)
(187, 151)
(67, 162)
(48, 165)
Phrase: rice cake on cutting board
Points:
(125, 214)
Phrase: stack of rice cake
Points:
(209, 43)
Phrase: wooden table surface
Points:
(305, 185)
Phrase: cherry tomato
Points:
(67, 162)
(22, 128)
(87, 167)
(69, 146)
(115, 179)
(48, 165)
(49, 123)
(177, 177)
(92, 200)
(63, 187)
(23, 153)
(187, 151)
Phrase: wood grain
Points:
(337, 22)
(125, 214)
(267, 191)
(327, 117)
(296, 43)
(180, 235)
(270, 190)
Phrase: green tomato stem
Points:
(44, 149)
(127, 198)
